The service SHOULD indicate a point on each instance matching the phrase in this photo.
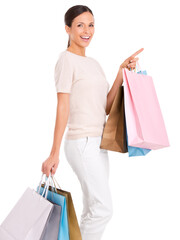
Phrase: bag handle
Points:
(49, 181)
(53, 178)
(46, 185)
(40, 183)
(52, 184)
(137, 68)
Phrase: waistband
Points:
(89, 138)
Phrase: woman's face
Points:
(82, 29)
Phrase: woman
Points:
(83, 103)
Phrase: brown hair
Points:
(74, 12)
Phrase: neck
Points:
(77, 50)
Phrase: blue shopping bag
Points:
(61, 201)
(135, 151)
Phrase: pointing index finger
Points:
(136, 53)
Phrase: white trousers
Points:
(91, 165)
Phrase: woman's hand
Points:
(50, 165)
(130, 62)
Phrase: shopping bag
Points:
(136, 151)
(74, 230)
(114, 135)
(63, 231)
(4, 235)
(51, 229)
(27, 219)
(144, 120)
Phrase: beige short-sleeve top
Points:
(84, 79)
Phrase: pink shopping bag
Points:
(145, 124)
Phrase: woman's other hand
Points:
(50, 165)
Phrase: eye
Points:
(89, 25)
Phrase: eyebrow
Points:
(83, 22)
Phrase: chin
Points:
(83, 45)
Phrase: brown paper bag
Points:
(114, 133)
(74, 230)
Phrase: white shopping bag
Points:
(4, 235)
(27, 219)
(51, 230)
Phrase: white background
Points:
(145, 190)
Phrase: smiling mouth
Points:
(85, 38)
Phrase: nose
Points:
(86, 30)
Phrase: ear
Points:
(67, 29)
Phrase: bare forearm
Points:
(112, 93)
(60, 125)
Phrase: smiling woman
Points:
(84, 100)
(82, 90)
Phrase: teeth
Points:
(85, 37)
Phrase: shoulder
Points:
(63, 60)
(63, 55)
